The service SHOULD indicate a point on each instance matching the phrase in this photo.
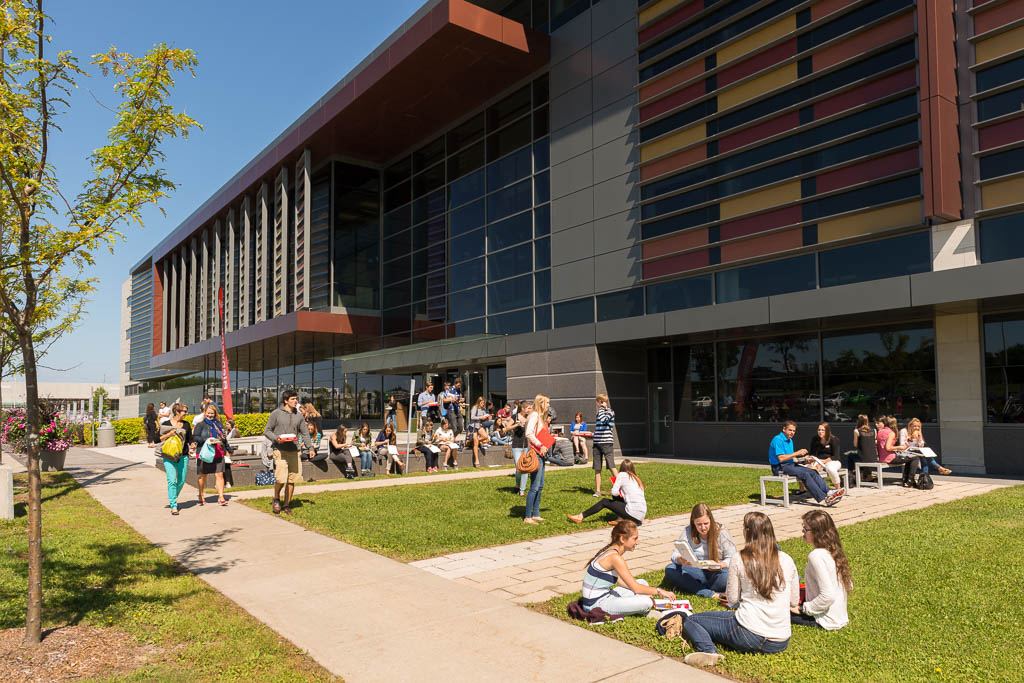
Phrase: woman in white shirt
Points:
(444, 438)
(763, 586)
(709, 541)
(627, 501)
(828, 576)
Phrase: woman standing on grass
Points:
(538, 438)
(628, 499)
(829, 580)
(608, 568)
(204, 430)
(709, 540)
(175, 469)
(763, 585)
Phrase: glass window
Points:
(664, 226)
(1000, 74)
(510, 294)
(428, 155)
(465, 133)
(659, 364)
(468, 246)
(430, 206)
(428, 181)
(542, 318)
(540, 89)
(468, 304)
(396, 295)
(508, 170)
(1002, 163)
(543, 286)
(468, 327)
(468, 274)
(541, 155)
(1001, 238)
(397, 220)
(1004, 368)
(575, 312)
(769, 380)
(891, 190)
(466, 189)
(901, 255)
(510, 262)
(1003, 103)
(540, 123)
(510, 231)
(509, 139)
(625, 304)
(509, 201)
(469, 159)
(509, 109)
(679, 294)
(397, 195)
(396, 320)
(398, 171)
(766, 279)
(541, 188)
(369, 396)
(562, 11)
(467, 218)
(542, 220)
(397, 245)
(889, 371)
(542, 249)
(517, 322)
(693, 381)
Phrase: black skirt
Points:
(204, 467)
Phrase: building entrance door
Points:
(659, 416)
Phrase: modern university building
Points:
(723, 214)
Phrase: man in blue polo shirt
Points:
(782, 458)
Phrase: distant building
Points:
(72, 397)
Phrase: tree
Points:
(99, 399)
(48, 238)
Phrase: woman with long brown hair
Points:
(627, 501)
(537, 437)
(763, 586)
(709, 541)
(610, 585)
(825, 447)
(828, 576)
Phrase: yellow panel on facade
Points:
(1002, 193)
(997, 46)
(773, 196)
(756, 40)
(686, 136)
(770, 81)
(656, 9)
(896, 216)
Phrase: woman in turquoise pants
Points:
(175, 469)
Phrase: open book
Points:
(924, 452)
(687, 554)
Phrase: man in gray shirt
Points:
(286, 419)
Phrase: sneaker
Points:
(703, 658)
(833, 497)
(598, 494)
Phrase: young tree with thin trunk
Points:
(48, 238)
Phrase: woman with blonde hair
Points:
(709, 541)
(828, 576)
(627, 501)
(763, 586)
(538, 438)
(911, 436)
(608, 583)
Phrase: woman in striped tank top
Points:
(608, 568)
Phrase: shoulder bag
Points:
(171, 448)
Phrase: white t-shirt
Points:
(826, 597)
(766, 618)
(636, 503)
(444, 436)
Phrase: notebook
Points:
(687, 554)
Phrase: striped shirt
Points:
(603, 425)
(597, 582)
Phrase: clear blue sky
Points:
(261, 64)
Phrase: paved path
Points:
(360, 615)
(554, 565)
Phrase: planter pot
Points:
(52, 461)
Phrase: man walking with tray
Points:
(286, 426)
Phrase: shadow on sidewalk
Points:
(195, 554)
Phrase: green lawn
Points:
(99, 572)
(414, 475)
(415, 522)
(938, 595)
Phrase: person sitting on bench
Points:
(781, 458)
(480, 439)
(387, 437)
(628, 500)
(444, 438)
(911, 436)
(424, 441)
(891, 453)
(338, 448)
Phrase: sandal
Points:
(945, 470)
(201, 501)
(222, 501)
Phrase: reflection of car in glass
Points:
(837, 398)
(832, 415)
(813, 399)
(702, 402)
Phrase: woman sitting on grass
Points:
(608, 568)
(627, 501)
(828, 576)
(709, 540)
(763, 585)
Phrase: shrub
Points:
(129, 430)
(251, 424)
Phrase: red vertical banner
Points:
(225, 375)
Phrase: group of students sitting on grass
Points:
(759, 584)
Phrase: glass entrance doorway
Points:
(659, 404)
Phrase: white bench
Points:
(781, 478)
(880, 471)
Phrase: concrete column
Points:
(204, 284)
(262, 286)
(958, 357)
(182, 295)
(192, 299)
(165, 306)
(230, 286)
(218, 265)
(171, 296)
(282, 249)
(244, 281)
(302, 217)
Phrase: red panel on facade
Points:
(674, 19)
(762, 221)
(1001, 134)
(676, 99)
(766, 244)
(671, 80)
(158, 312)
(674, 162)
(826, 7)
(868, 170)
(757, 62)
(862, 42)
(674, 243)
(759, 132)
(869, 92)
(676, 264)
(1000, 15)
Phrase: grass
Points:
(937, 597)
(317, 482)
(98, 571)
(415, 522)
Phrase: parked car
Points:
(702, 402)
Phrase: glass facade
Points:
(1004, 368)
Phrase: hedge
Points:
(133, 429)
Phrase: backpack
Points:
(561, 454)
(924, 482)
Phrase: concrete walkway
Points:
(554, 565)
(360, 615)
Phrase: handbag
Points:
(207, 452)
(528, 462)
(171, 449)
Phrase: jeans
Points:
(707, 628)
(616, 505)
(926, 465)
(695, 580)
(521, 478)
(811, 479)
(621, 600)
(803, 620)
(392, 420)
(536, 486)
(366, 459)
(501, 440)
(175, 478)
